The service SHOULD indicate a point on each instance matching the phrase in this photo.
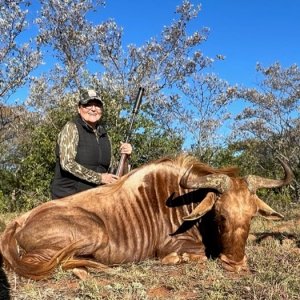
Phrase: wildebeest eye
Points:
(220, 219)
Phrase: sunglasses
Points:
(97, 106)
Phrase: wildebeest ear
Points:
(266, 211)
(201, 209)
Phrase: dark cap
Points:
(88, 95)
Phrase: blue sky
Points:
(244, 31)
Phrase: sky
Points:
(244, 31)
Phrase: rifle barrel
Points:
(134, 112)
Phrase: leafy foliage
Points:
(272, 117)
(16, 60)
(37, 157)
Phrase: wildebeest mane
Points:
(199, 168)
(184, 161)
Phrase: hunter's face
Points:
(91, 112)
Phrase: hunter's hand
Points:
(108, 178)
(126, 148)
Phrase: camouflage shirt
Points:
(68, 140)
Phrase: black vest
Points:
(92, 153)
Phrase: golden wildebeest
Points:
(174, 209)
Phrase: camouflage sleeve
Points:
(68, 141)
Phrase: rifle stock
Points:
(123, 163)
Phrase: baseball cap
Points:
(88, 95)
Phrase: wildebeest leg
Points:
(81, 273)
(184, 250)
(171, 259)
(175, 258)
(194, 257)
(57, 235)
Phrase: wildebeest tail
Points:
(40, 263)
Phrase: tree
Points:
(206, 114)
(35, 157)
(16, 60)
(162, 65)
(272, 116)
(178, 98)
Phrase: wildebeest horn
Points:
(257, 182)
(219, 182)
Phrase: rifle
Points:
(137, 104)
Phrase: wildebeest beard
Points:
(207, 225)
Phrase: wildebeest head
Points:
(233, 202)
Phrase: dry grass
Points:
(273, 250)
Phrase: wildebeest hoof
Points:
(193, 257)
(171, 259)
(81, 273)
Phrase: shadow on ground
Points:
(279, 236)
